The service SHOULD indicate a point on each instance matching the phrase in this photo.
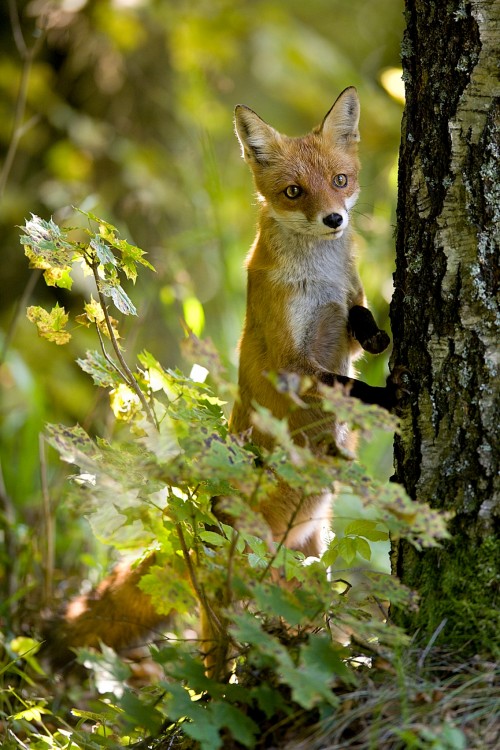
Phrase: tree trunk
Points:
(444, 314)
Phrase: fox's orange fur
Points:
(302, 283)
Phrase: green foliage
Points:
(151, 487)
(125, 109)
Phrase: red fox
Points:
(305, 314)
(305, 302)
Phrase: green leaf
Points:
(269, 700)
(361, 416)
(363, 548)
(169, 588)
(319, 665)
(213, 539)
(120, 299)
(454, 738)
(51, 325)
(201, 726)
(368, 529)
(24, 646)
(102, 373)
(162, 442)
(324, 658)
(33, 713)
(141, 713)
(103, 252)
(27, 648)
(242, 728)
(194, 314)
(330, 556)
(347, 548)
(73, 445)
(275, 600)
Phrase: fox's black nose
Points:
(334, 221)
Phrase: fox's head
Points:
(307, 184)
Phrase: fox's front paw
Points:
(399, 386)
(376, 343)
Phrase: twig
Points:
(48, 522)
(27, 56)
(20, 307)
(8, 522)
(229, 579)
(129, 377)
(17, 32)
(282, 540)
(109, 359)
(432, 640)
(194, 581)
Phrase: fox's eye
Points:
(340, 180)
(293, 191)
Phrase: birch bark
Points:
(445, 313)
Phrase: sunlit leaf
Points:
(125, 402)
(51, 325)
(194, 314)
(33, 713)
(93, 313)
(47, 248)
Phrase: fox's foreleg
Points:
(388, 396)
(364, 329)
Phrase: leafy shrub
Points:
(151, 488)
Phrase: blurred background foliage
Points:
(124, 108)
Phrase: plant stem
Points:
(48, 524)
(128, 377)
(20, 307)
(194, 581)
(27, 56)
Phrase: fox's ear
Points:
(341, 123)
(258, 140)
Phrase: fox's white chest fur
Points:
(317, 273)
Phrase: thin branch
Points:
(48, 523)
(19, 309)
(432, 640)
(109, 359)
(194, 581)
(283, 539)
(27, 56)
(17, 32)
(229, 579)
(8, 522)
(129, 377)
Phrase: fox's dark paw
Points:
(399, 386)
(376, 343)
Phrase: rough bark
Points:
(445, 313)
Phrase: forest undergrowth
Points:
(317, 664)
